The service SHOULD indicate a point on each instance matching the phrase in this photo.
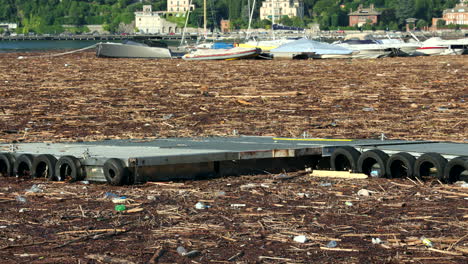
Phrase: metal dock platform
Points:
(137, 161)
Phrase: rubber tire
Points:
(349, 153)
(454, 168)
(378, 156)
(406, 159)
(76, 171)
(435, 159)
(23, 160)
(8, 162)
(116, 172)
(49, 161)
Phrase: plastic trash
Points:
(21, 199)
(349, 203)
(326, 184)
(119, 200)
(374, 173)
(183, 252)
(238, 205)
(34, 189)
(376, 241)
(363, 192)
(110, 195)
(220, 193)
(201, 206)
(85, 182)
(248, 186)
(427, 242)
(1, 227)
(368, 109)
(303, 195)
(300, 239)
(332, 244)
(167, 117)
(120, 207)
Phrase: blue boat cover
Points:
(222, 45)
(307, 45)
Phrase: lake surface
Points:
(43, 45)
(51, 45)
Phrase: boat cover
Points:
(307, 45)
(222, 45)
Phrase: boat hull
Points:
(222, 54)
(119, 50)
(371, 54)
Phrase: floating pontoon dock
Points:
(136, 161)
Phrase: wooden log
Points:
(338, 174)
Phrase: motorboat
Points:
(306, 48)
(438, 46)
(222, 54)
(131, 49)
(366, 49)
(400, 48)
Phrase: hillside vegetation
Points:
(48, 16)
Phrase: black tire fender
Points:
(370, 158)
(69, 167)
(454, 168)
(23, 165)
(424, 162)
(397, 163)
(7, 163)
(343, 157)
(44, 166)
(116, 172)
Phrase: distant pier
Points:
(95, 37)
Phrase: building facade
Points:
(457, 15)
(8, 26)
(363, 15)
(149, 22)
(225, 26)
(179, 6)
(281, 8)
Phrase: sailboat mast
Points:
(273, 19)
(250, 18)
(204, 20)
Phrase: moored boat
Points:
(438, 46)
(305, 48)
(222, 54)
(131, 50)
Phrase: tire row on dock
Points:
(377, 163)
(373, 162)
(65, 168)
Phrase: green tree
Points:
(421, 24)
(441, 23)
(405, 10)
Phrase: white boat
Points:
(438, 46)
(222, 54)
(401, 48)
(305, 48)
(131, 50)
(367, 51)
